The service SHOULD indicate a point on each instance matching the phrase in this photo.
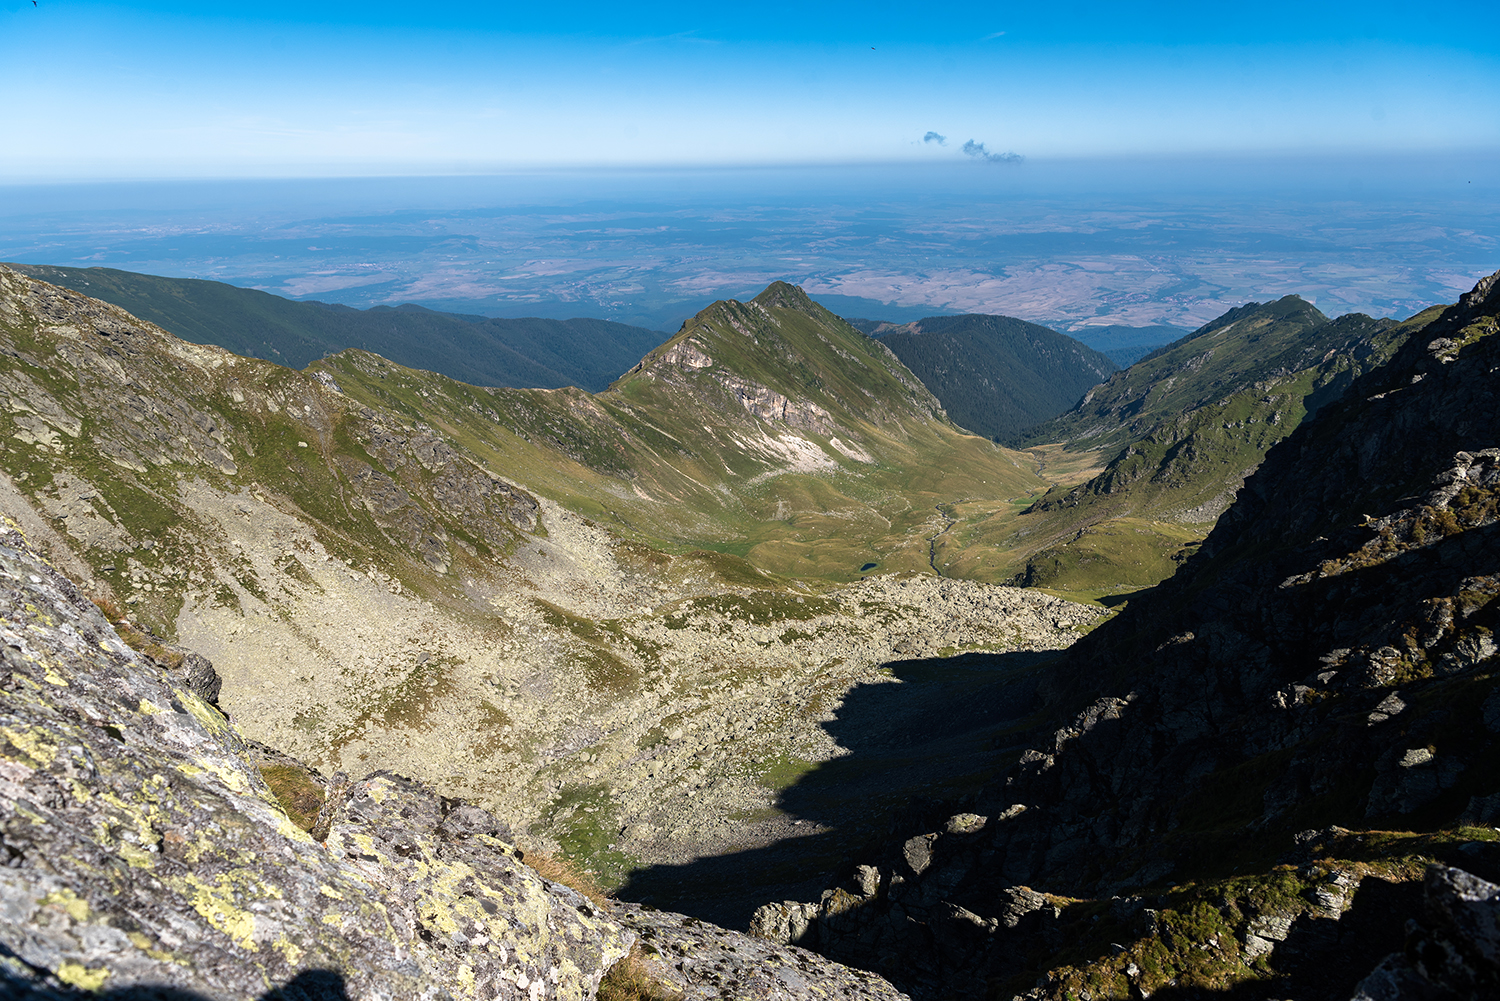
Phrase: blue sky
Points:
(163, 89)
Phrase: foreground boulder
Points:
(141, 846)
(1453, 951)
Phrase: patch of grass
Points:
(583, 819)
(299, 793)
(760, 608)
(630, 980)
(493, 722)
(111, 608)
(603, 668)
(135, 639)
(563, 870)
(411, 702)
(1111, 556)
(607, 672)
(561, 618)
(783, 771)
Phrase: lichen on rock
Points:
(140, 846)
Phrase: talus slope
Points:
(390, 569)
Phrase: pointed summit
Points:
(783, 357)
(785, 295)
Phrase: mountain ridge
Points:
(1179, 431)
(476, 349)
(394, 569)
(1255, 766)
(995, 374)
(1233, 784)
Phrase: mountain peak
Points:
(786, 296)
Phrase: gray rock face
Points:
(141, 846)
(1453, 952)
(703, 962)
(201, 678)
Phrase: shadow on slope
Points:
(917, 750)
(309, 985)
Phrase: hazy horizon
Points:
(1091, 164)
(1071, 244)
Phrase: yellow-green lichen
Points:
(33, 745)
(76, 906)
(291, 831)
(291, 950)
(231, 777)
(80, 976)
(81, 792)
(144, 943)
(212, 720)
(138, 857)
(216, 904)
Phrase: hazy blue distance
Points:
(1072, 244)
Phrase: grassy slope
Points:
(479, 350)
(997, 375)
(1193, 419)
(670, 456)
(1234, 351)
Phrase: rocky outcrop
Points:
(142, 854)
(769, 405)
(1325, 660)
(702, 962)
(141, 846)
(1452, 950)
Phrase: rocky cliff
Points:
(1263, 754)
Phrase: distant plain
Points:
(1074, 245)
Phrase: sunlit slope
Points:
(1224, 356)
(770, 429)
(1176, 435)
(372, 557)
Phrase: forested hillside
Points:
(532, 352)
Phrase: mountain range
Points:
(1174, 436)
(481, 350)
(729, 636)
(995, 375)
(1260, 766)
